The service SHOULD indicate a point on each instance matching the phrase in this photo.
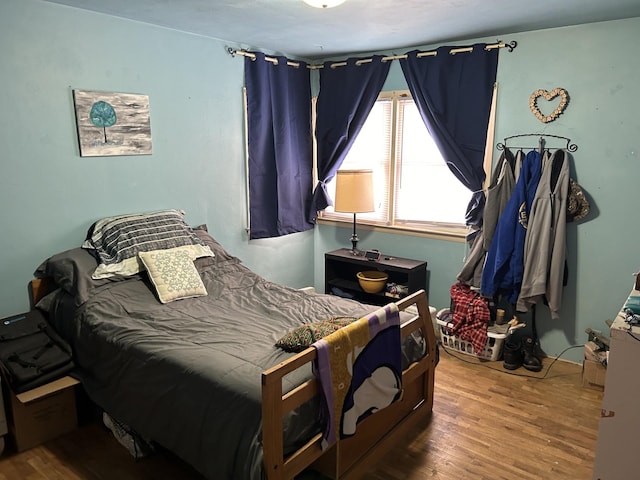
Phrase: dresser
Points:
(619, 431)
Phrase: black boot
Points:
(512, 356)
(531, 362)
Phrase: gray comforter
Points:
(188, 374)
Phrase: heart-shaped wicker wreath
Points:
(533, 105)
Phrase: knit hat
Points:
(577, 203)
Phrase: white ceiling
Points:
(293, 28)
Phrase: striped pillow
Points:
(117, 240)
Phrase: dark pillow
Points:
(220, 254)
(71, 270)
(118, 240)
(304, 336)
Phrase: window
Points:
(414, 187)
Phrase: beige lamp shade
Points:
(354, 191)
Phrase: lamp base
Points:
(354, 246)
(354, 240)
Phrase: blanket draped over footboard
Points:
(359, 368)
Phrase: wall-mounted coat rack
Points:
(571, 147)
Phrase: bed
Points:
(200, 373)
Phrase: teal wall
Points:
(49, 195)
(599, 66)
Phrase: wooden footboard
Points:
(349, 458)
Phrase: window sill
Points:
(451, 234)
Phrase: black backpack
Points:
(31, 352)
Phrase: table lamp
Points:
(354, 194)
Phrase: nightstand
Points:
(341, 267)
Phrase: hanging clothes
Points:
(471, 273)
(503, 269)
(545, 242)
(500, 189)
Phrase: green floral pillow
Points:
(305, 335)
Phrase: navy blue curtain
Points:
(453, 94)
(280, 147)
(347, 95)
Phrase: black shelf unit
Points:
(341, 267)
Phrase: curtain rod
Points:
(431, 53)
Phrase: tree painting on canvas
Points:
(112, 123)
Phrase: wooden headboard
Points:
(38, 288)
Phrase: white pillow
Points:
(173, 273)
(131, 266)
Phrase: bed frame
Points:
(352, 457)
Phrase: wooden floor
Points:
(486, 424)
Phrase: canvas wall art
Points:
(112, 123)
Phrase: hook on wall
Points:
(571, 147)
(511, 45)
